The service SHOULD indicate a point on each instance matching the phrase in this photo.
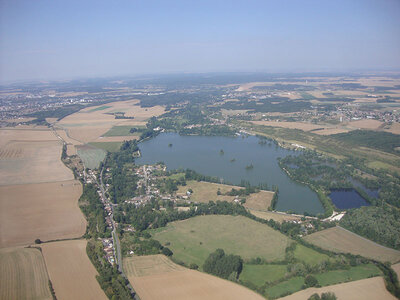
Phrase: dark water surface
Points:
(203, 154)
(344, 199)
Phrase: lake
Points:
(203, 154)
(345, 199)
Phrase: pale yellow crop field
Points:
(156, 277)
(23, 274)
(31, 156)
(45, 210)
(88, 124)
(72, 274)
(370, 288)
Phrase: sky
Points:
(54, 39)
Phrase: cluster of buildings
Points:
(108, 243)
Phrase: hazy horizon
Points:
(49, 40)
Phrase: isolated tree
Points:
(310, 281)
(38, 241)
(166, 251)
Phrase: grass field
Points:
(91, 156)
(23, 274)
(354, 273)
(156, 277)
(99, 108)
(370, 288)
(120, 131)
(45, 210)
(259, 274)
(309, 255)
(325, 279)
(70, 270)
(289, 286)
(107, 146)
(194, 239)
(340, 240)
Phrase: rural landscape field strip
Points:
(370, 288)
(72, 274)
(174, 283)
(339, 239)
(23, 274)
(192, 240)
(43, 211)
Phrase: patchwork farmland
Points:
(156, 277)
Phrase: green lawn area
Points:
(309, 255)
(99, 108)
(328, 278)
(192, 240)
(259, 274)
(177, 176)
(91, 156)
(354, 273)
(122, 131)
(286, 287)
(107, 146)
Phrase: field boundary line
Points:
(384, 247)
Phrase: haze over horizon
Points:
(56, 40)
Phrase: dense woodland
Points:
(380, 224)
(384, 141)
(222, 265)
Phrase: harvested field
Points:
(259, 201)
(71, 143)
(149, 265)
(370, 288)
(90, 123)
(290, 125)
(31, 156)
(23, 274)
(340, 240)
(155, 277)
(194, 239)
(366, 124)
(91, 156)
(394, 128)
(45, 210)
(278, 217)
(70, 270)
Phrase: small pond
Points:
(345, 199)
